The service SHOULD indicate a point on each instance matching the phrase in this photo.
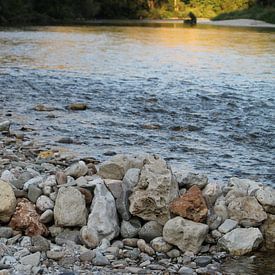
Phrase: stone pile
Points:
(130, 214)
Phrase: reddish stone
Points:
(26, 219)
(87, 194)
(190, 205)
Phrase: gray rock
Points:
(216, 234)
(103, 220)
(100, 260)
(134, 270)
(155, 190)
(122, 204)
(67, 235)
(47, 216)
(130, 229)
(7, 201)
(114, 186)
(150, 230)
(33, 181)
(34, 193)
(188, 179)
(87, 256)
(227, 226)
(241, 241)
(211, 192)
(220, 208)
(116, 167)
(132, 242)
(186, 271)
(131, 178)
(246, 211)
(266, 198)
(40, 243)
(203, 261)
(33, 259)
(160, 245)
(8, 176)
(174, 253)
(50, 181)
(61, 178)
(5, 126)
(5, 232)
(70, 208)
(43, 203)
(186, 235)
(214, 221)
(77, 170)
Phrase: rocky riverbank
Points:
(132, 214)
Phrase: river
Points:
(203, 96)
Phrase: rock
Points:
(144, 247)
(186, 235)
(122, 204)
(47, 216)
(77, 169)
(134, 270)
(8, 176)
(203, 261)
(220, 208)
(190, 205)
(61, 178)
(132, 242)
(40, 244)
(211, 192)
(216, 234)
(87, 256)
(34, 193)
(186, 271)
(100, 260)
(214, 221)
(155, 190)
(43, 203)
(266, 197)
(26, 218)
(174, 253)
(246, 211)
(188, 179)
(87, 195)
(268, 230)
(70, 207)
(67, 236)
(43, 108)
(55, 255)
(5, 126)
(33, 259)
(33, 181)
(130, 229)
(116, 167)
(77, 106)
(5, 232)
(114, 186)
(7, 201)
(150, 230)
(227, 226)
(103, 220)
(241, 241)
(160, 245)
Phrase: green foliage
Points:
(38, 11)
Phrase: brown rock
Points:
(77, 106)
(87, 194)
(26, 218)
(190, 205)
(61, 178)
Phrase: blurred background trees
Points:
(46, 11)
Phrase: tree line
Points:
(37, 11)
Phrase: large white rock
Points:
(70, 207)
(156, 188)
(116, 167)
(185, 234)
(220, 208)
(241, 241)
(77, 169)
(246, 211)
(266, 198)
(211, 192)
(7, 201)
(103, 220)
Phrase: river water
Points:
(203, 95)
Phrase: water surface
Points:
(203, 95)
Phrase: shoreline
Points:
(244, 23)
